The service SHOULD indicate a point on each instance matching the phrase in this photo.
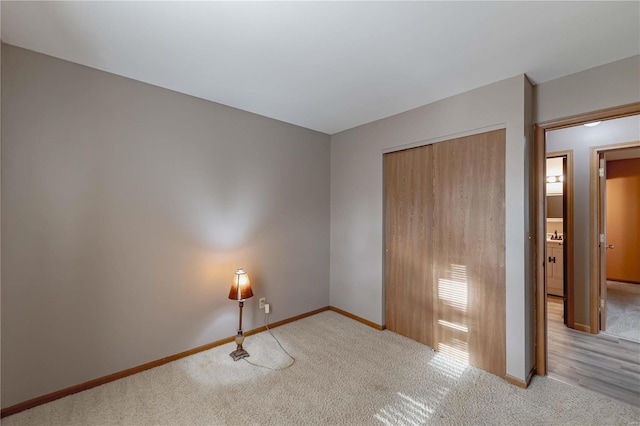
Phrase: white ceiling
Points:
(327, 66)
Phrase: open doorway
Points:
(618, 178)
(559, 234)
(584, 286)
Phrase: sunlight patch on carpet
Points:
(450, 367)
(411, 409)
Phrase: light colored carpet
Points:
(346, 373)
(623, 310)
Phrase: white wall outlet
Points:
(262, 301)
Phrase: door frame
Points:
(540, 246)
(568, 241)
(597, 272)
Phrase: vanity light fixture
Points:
(554, 179)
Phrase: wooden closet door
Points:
(408, 249)
(469, 250)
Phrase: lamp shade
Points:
(240, 287)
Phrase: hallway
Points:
(598, 362)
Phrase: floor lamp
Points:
(240, 291)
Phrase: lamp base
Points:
(239, 354)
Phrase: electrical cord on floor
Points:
(293, 360)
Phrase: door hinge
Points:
(602, 238)
(601, 303)
(601, 172)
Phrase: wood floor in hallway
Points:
(598, 362)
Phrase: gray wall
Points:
(357, 281)
(126, 209)
(614, 84)
(580, 139)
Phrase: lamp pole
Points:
(240, 334)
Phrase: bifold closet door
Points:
(469, 249)
(408, 198)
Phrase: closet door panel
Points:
(408, 250)
(468, 250)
